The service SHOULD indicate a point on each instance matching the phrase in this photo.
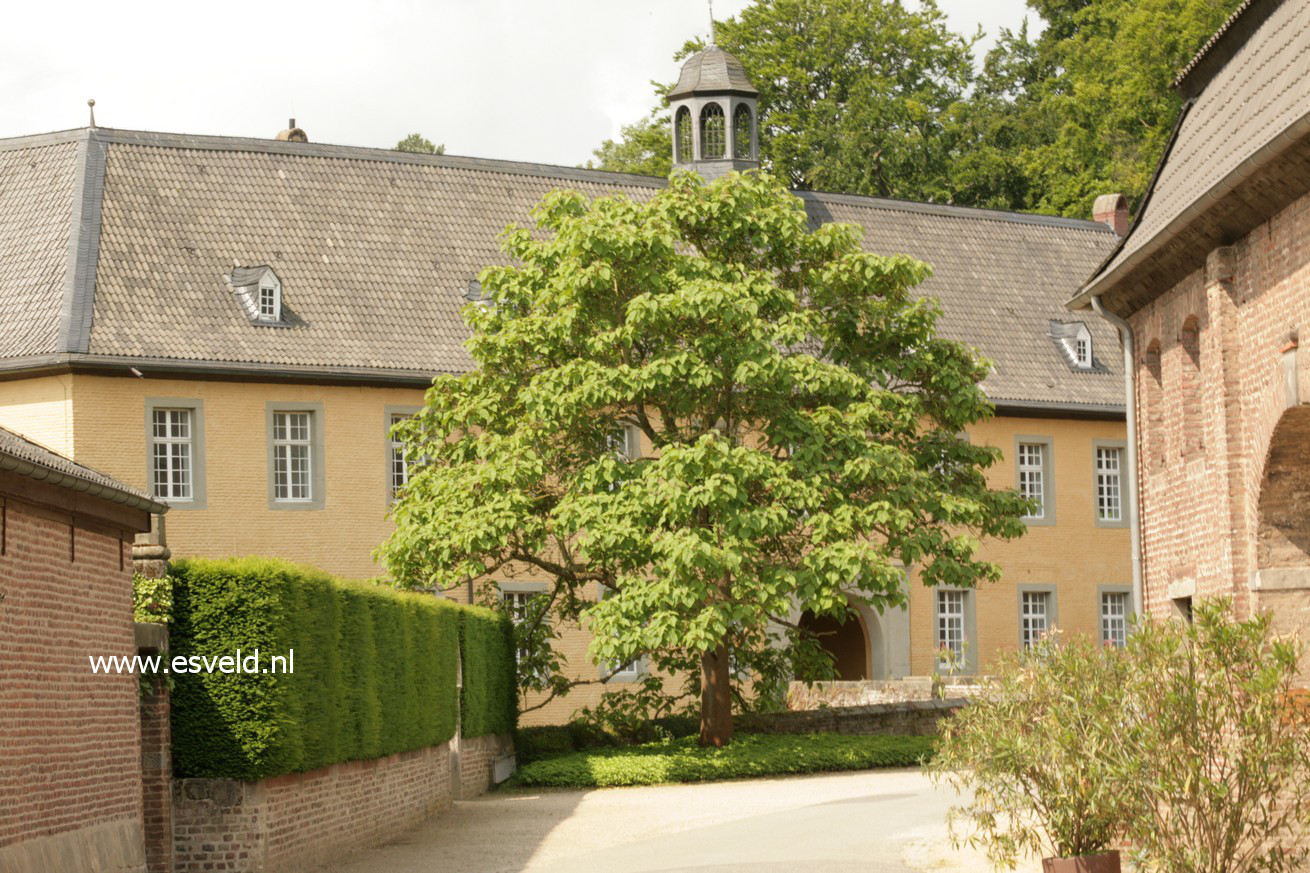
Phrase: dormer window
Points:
(270, 306)
(258, 291)
(1074, 340)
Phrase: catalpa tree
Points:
(798, 418)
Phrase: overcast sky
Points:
(519, 79)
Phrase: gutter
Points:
(41, 473)
(1130, 406)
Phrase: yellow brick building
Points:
(233, 324)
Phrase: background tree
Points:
(855, 95)
(419, 144)
(801, 418)
(1084, 109)
(867, 97)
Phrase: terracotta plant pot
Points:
(1107, 862)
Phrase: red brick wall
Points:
(157, 781)
(477, 762)
(69, 740)
(302, 820)
(1201, 506)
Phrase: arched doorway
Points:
(847, 642)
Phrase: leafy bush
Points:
(547, 741)
(746, 757)
(1216, 746)
(374, 669)
(489, 698)
(152, 599)
(1190, 743)
(1031, 756)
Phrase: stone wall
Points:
(301, 820)
(70, 767)
(916, 718)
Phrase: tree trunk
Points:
(715, 698)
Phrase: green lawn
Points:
(748, 756)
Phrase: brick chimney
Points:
(1112, 211)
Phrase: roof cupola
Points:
(715, 123)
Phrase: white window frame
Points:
(1037, 611)
(1112, 626)
(951, 620)
(632, 671)
(392, 416)
(293, 430)
(195, 451)
(1034, 617)
(274, 291)
(514, 596)
(1036, 479)
(280, 453)
(1108, 483)
(176, 449)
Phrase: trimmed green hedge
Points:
(374, 669)
(746, 757)
(489, 697)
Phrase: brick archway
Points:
(1283, 532)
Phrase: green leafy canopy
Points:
(801, 424)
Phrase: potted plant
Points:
(1031, 759)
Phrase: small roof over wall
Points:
(1239, 153)
(22, 456)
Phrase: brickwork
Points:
(1231, 518)
(70, 779)
(157, 781)
(478, 757)
(302, 820)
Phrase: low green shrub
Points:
(152, 599)
(548, 741)
(746, 757)
(374, 669)
(489, 701)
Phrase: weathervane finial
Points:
(711, 2)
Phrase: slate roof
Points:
(36, 208)
(20, 455)
(376, 250)
(1248, 103)
(712, 71)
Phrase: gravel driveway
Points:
(889, 821)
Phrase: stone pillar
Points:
(150, 552)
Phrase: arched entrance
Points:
(847, 642)
(1283, 536)
(1281, 583)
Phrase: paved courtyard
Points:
(890, 821)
